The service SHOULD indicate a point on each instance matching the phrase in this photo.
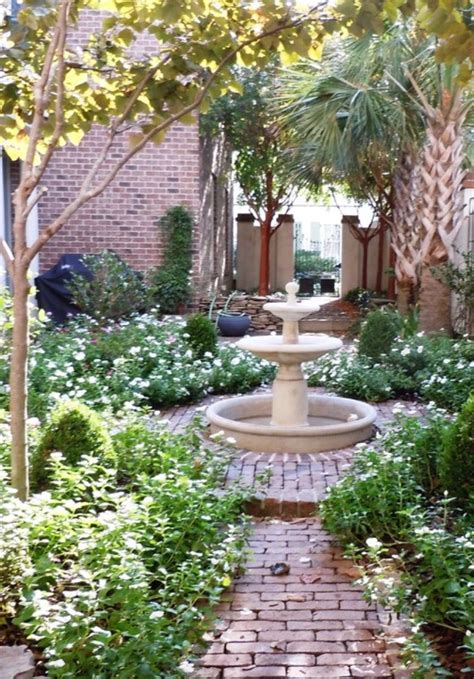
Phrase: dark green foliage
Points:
(378, 333)
(361, 297)
(115, 290)
(456, 460)
(169, 284)
(416, 548)
(132, 556)
(73, 430)
(202, 335)
(309, 261)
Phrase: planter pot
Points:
(233, 324)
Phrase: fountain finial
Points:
(292, 288)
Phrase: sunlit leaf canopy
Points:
(179, 47)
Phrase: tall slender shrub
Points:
(456, 460)
(169, 284)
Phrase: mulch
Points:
(338, 309)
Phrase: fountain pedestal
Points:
(289, 420)
(290, 397)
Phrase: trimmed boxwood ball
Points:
(74, 430)
(378, 333)
(202, 335)
(456, 460)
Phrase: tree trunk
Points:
(381, 252)
(435, 303)
(391, 294)
(19, 381)
(405, 295)
(264, 273)
(365, 261)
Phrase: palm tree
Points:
(440, 209)
(373, 113)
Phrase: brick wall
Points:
(183, 170)
(124, 217)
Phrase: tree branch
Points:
(33, 202)
(41, 97)
(86, 193)
(7, 255)
(59, 108)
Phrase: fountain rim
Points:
(305, 343)
(343, 426)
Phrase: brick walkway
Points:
(313, 621)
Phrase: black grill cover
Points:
(52, 293)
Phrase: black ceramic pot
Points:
(233, 323)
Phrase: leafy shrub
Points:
(448, 378)
(378, 333)
(361, 297)
(436, 369)
(416, 551)
(14, 558)
(169, 284)
(74, 430)
(456, 459)
(460, 279)
(6, 319)
(122, 577)
(310, 261)
(114, 291)
(201, 335)
(374, 497)
(111, 367)
(353, 376)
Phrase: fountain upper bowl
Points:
(272, 348)
(292, 312)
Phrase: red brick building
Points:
(184, 170)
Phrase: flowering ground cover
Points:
(436, 369)
(406, 511)
(134, 363)
(113, 569)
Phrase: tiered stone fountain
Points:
(289, 420)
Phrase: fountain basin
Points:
(331, 424)
(272, 347)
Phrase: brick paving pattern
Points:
(313, 621)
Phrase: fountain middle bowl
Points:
(272, 348)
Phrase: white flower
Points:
(373, 543)
(235, 361)
(186, 667)
(56, 663)
(156, 614)
(79, 355)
